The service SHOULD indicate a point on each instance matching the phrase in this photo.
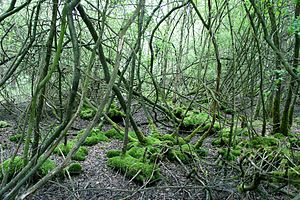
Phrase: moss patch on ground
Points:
(134, 168)
(17, 165)
(62, 149)
(75, 169)
(94, 138)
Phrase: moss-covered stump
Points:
(115, 114)
(131, 167)
(17, 165)
(94, 138)
(80, 155)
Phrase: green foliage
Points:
(294, 27)
(80, 155)
(95, 137)
(135, 168)
(4, 124)
(113, 153)
(16, 138)
(75, 168)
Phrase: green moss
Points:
(75, 168)
(152, 141)
(134, 168)
(293, 176)
(113, 153)
(80, 155)
(16, 138)
(175, 154)
(95, 137)
(261, 142)
(194, 119)
(115, 114)
(87, 113)
(16, 166)
(234, 153)
(4, 124)
(137, 152)
(47, 166)
(112, 133)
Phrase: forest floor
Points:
(212, 180)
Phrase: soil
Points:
(211, 180)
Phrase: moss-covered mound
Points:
(87, 113)
(80, 155)
(224, 137)
(95, 137)
(139, 162)
(75, 169)
(115, 114)
(194, 119)
(134, 168)
(17, 165)
(16, 138)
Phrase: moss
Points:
(152, 141)
(173, 154)
(194, 119)
(87, 113)
(16, 138)
(134, 168)
(261, 142)
(75, 168)
(16, 166)
(113, 153)
(4, 124)
(80, 155)
(234, 153)
(293, 176)
(47, 166)
(95, 137)
(115, 114)
(112, 133)
(137, 152)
